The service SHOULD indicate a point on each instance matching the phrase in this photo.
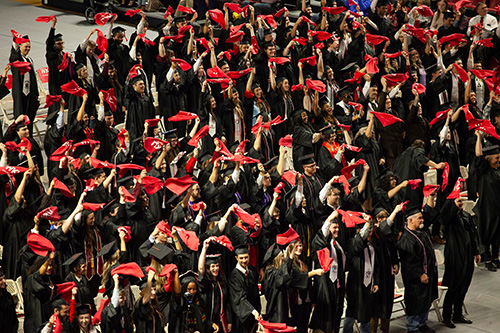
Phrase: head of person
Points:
(212, 266)
(345, 95)
(118, 35)
(22, 130)
(436, 72)
(309, 165)
(83, 317)
(388, 103)
(236, 96)
(224, 66)
(270, 49)
(138, 85)
(373, 92)
(380, 214)
(414, 55)
(382, 8)
(334, 229)
(210, 103)
(109, 119)
(283, 85)
(492, 156)
(242, 256)
(330, 75)
(414, 219)
(244, 46)
(177, 77)
(25, 48)
(91, 46)
(442, 5)
(388, 181)
(268, 35)
(333, 197)
(195, 192)
(3, 281)
(89, 218)
(459, 202)
(60, 308)
(481, 9)
(257, 91)
(82, 72)
(58, 42)
(473, 97)
(143, 200)
(448, 19)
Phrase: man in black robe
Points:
(172, 97)
(460, 251)
(8, 316)
(105, 132)
(139, 108)
(78, 268)
(118, 51)
(245, 299)
(418, 267)
(59, 308)
(313, 184)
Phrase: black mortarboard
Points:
(243, 249)
(172, 134)
(433, 68)
(215, 216)
(327, 130)
(271, 163)
(349, 67)
(245, 41)
(58, 38)
(267, 31)
(255, 85)
(412, 211)
(212, 258)
(110, 206)
(271, 253)
(55, 302)
(232, 147)
(108, 250)
(306, 159)
(353, 181)
(162, 253)
(228, 171)
(79, 66)
(280, 79)
(52, 117)
(68, 180)
(117, 30)
(381, 3)
(127, 182)
(205, 156)
(344, 91)
(491, 150)
(298, 112)
(93, 172)
(377, 210)
(181, 159)
(75, 260)
(180, 18)
(83, 309)
(188, 277)
(267, 44)
(4, 91)
(136, 79)
(322, 101)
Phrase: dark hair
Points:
(385, 181)
(39, 263)
(418, 143)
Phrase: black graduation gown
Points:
(36, 293)
(283, 107)
(446, 153)
(116, 320)
(24, 104)
(119, 57)
(139, 109)
(64, 246)
(227, 120)
(172, 99)
(298, 292)
(274, 288)
(302, 144)
(415, 261)
(74, 102)
(107, 136)
(244, 297)
(371, 152)
(8, 316)
(328, 165)
(53, 140)
(18, 159)
(54, 58)
(411, 165)
(216, 298)
(83, 295)
(146, 319)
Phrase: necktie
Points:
(369, 258)
(26, 80)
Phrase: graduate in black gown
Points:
(8, 316)
(147, 315)
(139, 108)
(116, 317)
(78, 268)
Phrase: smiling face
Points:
(334, 230)
(192, 288)
(25, 48)
(84, 321)
(214, 269)
(242, 260)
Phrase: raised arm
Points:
(81, 111)
(18, 196)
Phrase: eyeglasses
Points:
(310, 166)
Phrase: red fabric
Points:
(321, 35)
(351, 218)
(109, 97)
(286, 141)
(186, 10)
(237, 74)
(441, 115)
(167, 269)
(446, 174)
(218, 16)
(254, 48)
(102, 18)
(176, 39)
(121, 137)
(169, 11)
(228, 55)
(128, 197)
(425, 11)
(23, 66)
(376, 39)
(45, 19)
(179, 185)
(353, 3)
(49, 213)
(429, 188)
(12, 170)
(165, 228)
(319, 46)
(235, 37)
(290, 176)
(127, 167)
(11, 145)
(357, 77)
(269, 19)
(484, 126)
(395, 79)
(152, 122)
(372, 66)
(183, 64)
(309, 60)
(244, 216)
(97, 164)
(467, 113)
(420, 88)
(342, 179)
(482, 73)
(352, 148)
(334, 10)
(44, 74)
(462, 3)
(216, 72)
(456, 189)
(346, 171)
(92, 206)
(224, 241)
(197, 137)
(39, 244)
(393, 55)
(287, 237)
(316, 85)
(153, 144)
(96, 320)
(132, 12)
(133, 72)
(241, 147)
(102, 43)
(386, 119)
(131, 269)
(65, 289)
(354, 14)
(189, 238)
(280, 12)
(58, 326)
(87, 142)
(147, 41)
(414, 183)
(17, 38)
(279, 187)
(451, 38)
(418, 33)
(301, 40)
(297, 87)
(356, 25)
(126, 229)
(324, 259)
(198, 206)
(73, 88)
(63, 188)
(90, 185)
(151, 184)
(219, 80)
(60, 152)
(65, 62)
(51, 99)
(183, 116)
(462, 73)
(484, 42)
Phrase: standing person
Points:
(244, 294)
(139, 108)
(116, 317)
(8, 316)
(418, 267)
(460, 251)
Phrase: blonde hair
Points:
(108, 264)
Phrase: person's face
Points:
(332, 137)
(109, 120)
(298, 248)
(63, 313)
(347, 98)
(242, 260)
(236, 96)
(414, 55)
(139, 87)
(145, 201)
(448, 135)
(459, 63)
(100, 178)
(164, 166)
(174, 142)
(478, 66)
(388, 103)
(84, 320)
(286, 85)
(111, 73)
(460, 203)
(213, 103)
(153, 291)
(162, 237)
(334, 230)
(80, 269)
(214, 269)
(329, 74)
(442, 6)
(90, 220)
(83, 72)
(449, 21)
(177, 78)
(121, 300)
(119, 38)
(90, 51)
(495, 161)
(310, 168)
(414, 76)
(25, 48)
(258, 92)
(181, 24)
(393, 182)
(59, 45)
(267, 180)
(23, 132)
(309, 11)
(304, 117)
(482, 10)
(269, 38)
(333, 198)
(86, 119)
(394, 63)
(3, 282)
(50, 270)
(473, 97)
(382, 10)
(373, 92)
(271, 51)
(417, 220)
(191, 288)
(225, 68)
(381, 217)
(196, 193)
(201, 71)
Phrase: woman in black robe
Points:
(282, 105)
(388, 194)
(147, 315)
(74, 102)
(304, 137)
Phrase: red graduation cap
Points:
(39, 244)
(197, 137)
(92, 206)
(297, 87)
(280, 12)
(279, 60)
(218, 16)
(97, 164)
(456, 189)
(420, 88)
(235, 37)
(127, 167)
(287, 237)
(183, 64)
(321, 35)
(130, 268)
(73, 88)
(66, 290)
(395, 79)
(126, 229)
(309, 60)
(237, 74)
(351, 218)
(484, 42)
(482, 73)
(49, 213)
(60, 152)
(290, 176)
(179, 185)
(352, 148)
(386, 119)
(102, 18)
(342, 179)
(414, 183)
(189, 238)
(63, 188)
(429, 188)
(393, 55)
(244, 216)
(12, 170)
(51, 99)
(324, 259)
(357, 77)
(152, 122)
(110, 98)
(128, 197)
(45, 19)
(65, 62)
(346, 171)
(17, 38)
(23, 66)
(301, 40)
(376, 39)
(167, 269)
(451, 38)
(224, 241)
(96, 320)
(462, 73)
(316, 85)
(132, 12)
(334, 10)
(169, 11)
(286, 141)
(183, 116)
(441, 115)
(151, 184)
(165, 228)
(153, 144)
(425, 11)
(216, 72)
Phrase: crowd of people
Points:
(285, 156)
